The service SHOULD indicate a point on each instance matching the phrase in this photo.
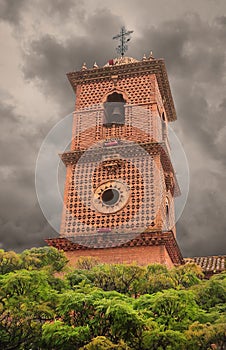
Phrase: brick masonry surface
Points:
(132, 157)
(139, 255)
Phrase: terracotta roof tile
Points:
(212, 264)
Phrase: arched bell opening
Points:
(114, 110)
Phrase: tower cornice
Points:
(121, 71)
(147, 239)
(153, 148)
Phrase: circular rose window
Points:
(111, 196)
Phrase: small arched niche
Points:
(167, 207)
(164, 127)
(167, 212)
(114, 110)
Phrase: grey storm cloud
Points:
(195, 55)
(21, 220)
(49, 59)
(11, 10)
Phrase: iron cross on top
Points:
(124, 37)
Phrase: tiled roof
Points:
(210, 264)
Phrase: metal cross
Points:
(124, 37)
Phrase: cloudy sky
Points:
(42, 40)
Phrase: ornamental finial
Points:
(84, 66)
(151, 57)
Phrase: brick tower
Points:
(120, 183)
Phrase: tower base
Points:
(146, 248)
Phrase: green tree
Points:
(102, 343)
(159, 283)
(119, 277)
(201, 336)
(187, 275)
(76, 308)
(108, 313)
(174, 309)
(78, 276)
(26, 301)
(101, 306)
(120, 321)
(87, 263)
(37, 258)
(156, 278)
(211, 293)
(9, 261)
(163, 340)
(157, 269)
(59, 336)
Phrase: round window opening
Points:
(110, 196)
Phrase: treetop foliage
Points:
(102, 306)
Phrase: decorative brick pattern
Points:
(137, 90)
(142, 124)
(144, 176)
(134, 155)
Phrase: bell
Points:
(117, 115)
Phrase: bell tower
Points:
(120, 183)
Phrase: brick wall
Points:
(140, 255)
(144, 110)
